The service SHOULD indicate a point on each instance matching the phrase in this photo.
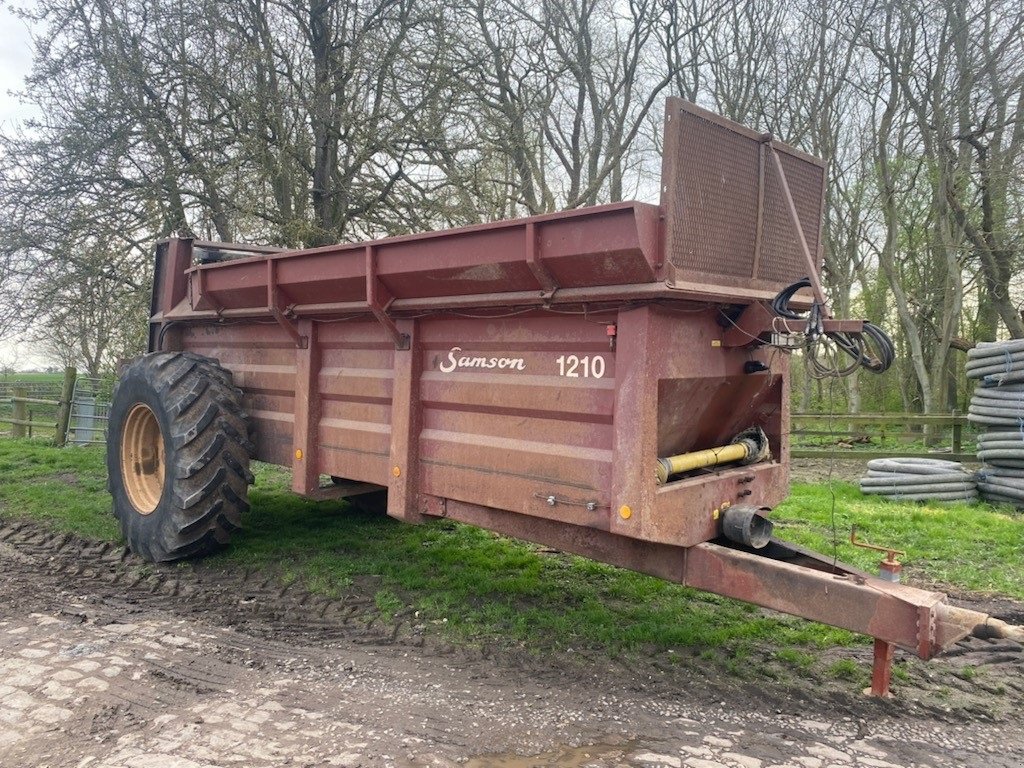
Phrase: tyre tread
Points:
(212, 441)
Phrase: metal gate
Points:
(90, 411)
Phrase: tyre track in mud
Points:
(252, 602)
(115, 659)
(211, 647)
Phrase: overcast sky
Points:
(15, 63)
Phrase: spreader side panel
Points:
(517, 414)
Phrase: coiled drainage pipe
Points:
(918, 479)
(998, 406)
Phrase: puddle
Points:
(602, 755)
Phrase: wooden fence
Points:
(842, 431)
(943, 434)
(31, 413)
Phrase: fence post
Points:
(958, 431)
(20, 412)
(67, 391)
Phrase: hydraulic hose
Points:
(871, 348)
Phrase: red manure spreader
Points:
(610, 381)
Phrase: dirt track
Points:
(105, 661)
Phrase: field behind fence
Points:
(865, 436)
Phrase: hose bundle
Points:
(918, 479)
(998, 406)
(871, 349)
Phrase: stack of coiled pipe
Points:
(997, 406)
(919, 479)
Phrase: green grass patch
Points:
(967, 673)
(900, 672)
(67, 488)
(849, 671)
(479, 588)
(795, 658)
(970, 546)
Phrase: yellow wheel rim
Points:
(142, 459)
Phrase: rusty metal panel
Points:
(709, 195)
(356, 383)
(516, 413)
(553, 414)
(725, 220)
(605, 245)
(693, 393)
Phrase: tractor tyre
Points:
(178, 451)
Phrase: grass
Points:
(970, 546)
(478, 588)
(66, 488)
(848, 670)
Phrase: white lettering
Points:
(452, 362)
(593, 367)
(456, 361)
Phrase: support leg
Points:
(881, 671)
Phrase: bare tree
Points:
(309, 123)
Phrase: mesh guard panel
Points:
(716, 175)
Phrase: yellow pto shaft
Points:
(710, 457)
(748, 447)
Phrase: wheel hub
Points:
(142, 459)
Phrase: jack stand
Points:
(881, 670)
(889, 568)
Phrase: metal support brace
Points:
(540, 271)
(761, 163)
(794, 217)
(378, 299)
(204, 300)
(279, 310)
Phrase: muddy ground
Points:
(106, 661)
